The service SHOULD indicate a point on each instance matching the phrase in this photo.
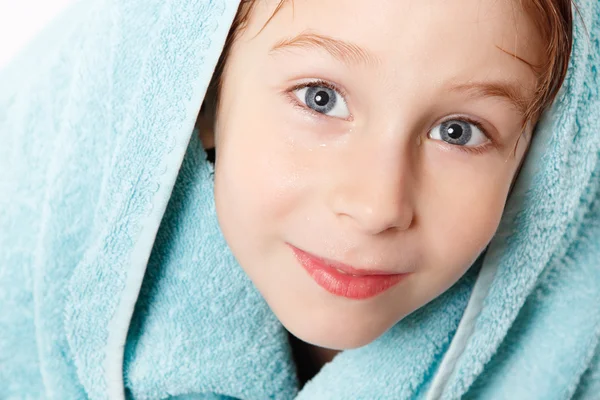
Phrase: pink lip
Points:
(362, 284)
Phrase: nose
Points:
(375, 191)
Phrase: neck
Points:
(309, 358)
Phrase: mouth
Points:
(344, 280)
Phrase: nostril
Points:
(374, 203)
(377, 220)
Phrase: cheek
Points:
(257, 177)
(461, 211)
(468, 221)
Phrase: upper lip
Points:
(347, 268)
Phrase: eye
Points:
(459, 132)
(323, 99)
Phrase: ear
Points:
(205, 123)
(205, 127)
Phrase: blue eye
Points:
(323, 100)
(459, 132)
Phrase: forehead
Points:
(470, 36)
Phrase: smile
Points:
(343, 280)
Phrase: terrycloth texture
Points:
(115, 280)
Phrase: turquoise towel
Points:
(115, 281)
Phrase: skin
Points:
(375, 187)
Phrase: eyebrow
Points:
(350, 53)
(346, 52)
(508, 91)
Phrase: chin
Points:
(333, 334)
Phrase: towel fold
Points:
(116, 282)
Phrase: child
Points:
(387, 153)
(404, 211)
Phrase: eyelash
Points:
(318, 82)
(481, 149)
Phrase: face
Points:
(378, 138)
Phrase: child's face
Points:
(371, 171)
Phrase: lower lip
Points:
(339, 284)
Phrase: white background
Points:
(20, 20)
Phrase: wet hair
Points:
(553, 19)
